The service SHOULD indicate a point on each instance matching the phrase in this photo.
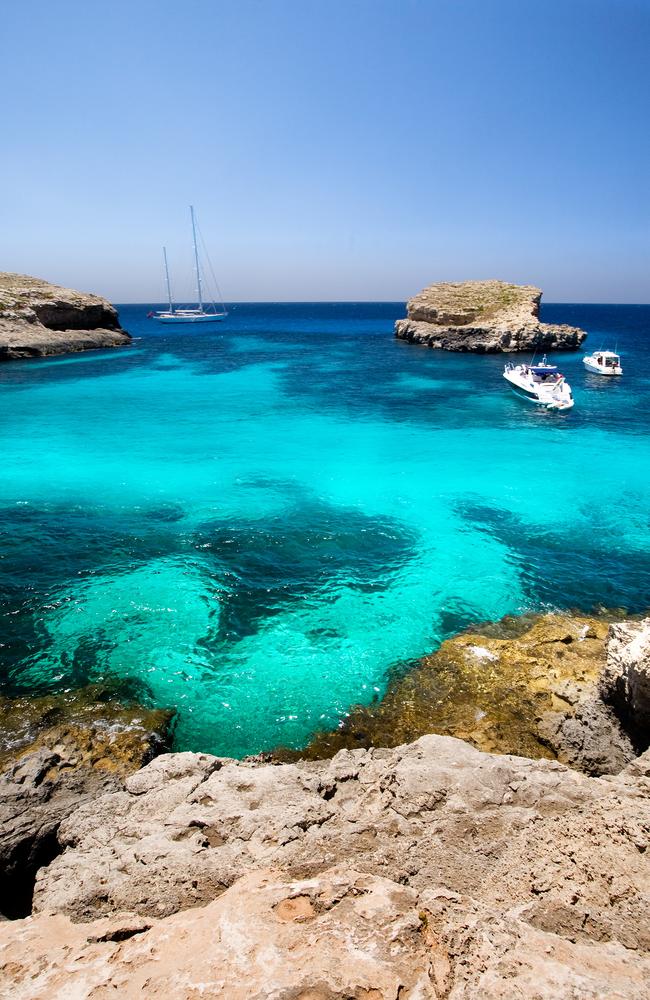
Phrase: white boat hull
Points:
(593, 366)
(191, 319)
(556, 396)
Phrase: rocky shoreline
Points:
(530, 686)
(426, 870)
(39, 319)
(483, 317)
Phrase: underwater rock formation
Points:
(483, 317)
(38, 319)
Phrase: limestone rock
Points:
(565, 850)
(38, 318)
(57, 752)
(483, 316)
(340, 935)
(626, 678)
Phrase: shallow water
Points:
(258, 523)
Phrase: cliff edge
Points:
(483, 317)
(38, 318)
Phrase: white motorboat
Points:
(603, 363)
(203, 312)
(542, 384)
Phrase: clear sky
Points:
(334, 149)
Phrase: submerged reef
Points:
(39, 319)
(483, 317)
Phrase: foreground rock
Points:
(341, 935)
(57, 752)
(567, 850)
(431, 870)
(483, 316)
(38, 318)
(520, 686)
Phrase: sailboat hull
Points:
(204, 319)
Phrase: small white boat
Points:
(203, 312)
(603, 363)
(542, 384)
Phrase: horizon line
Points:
(361, 302)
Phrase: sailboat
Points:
(203, 312)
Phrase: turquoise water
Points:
(257, 524)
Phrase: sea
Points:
(259, 523)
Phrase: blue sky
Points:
(334, 149)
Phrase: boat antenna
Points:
(169, 287)
(196, 260)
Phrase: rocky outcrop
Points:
(56, 753)
(431, 870)
(37, 319)
(626, 679)
(483, 317)
(520, 686)
(507, 831)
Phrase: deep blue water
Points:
(257, 523)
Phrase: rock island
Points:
(483, 317)
(38, 318)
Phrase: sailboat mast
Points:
(196, 260)
(169, 287)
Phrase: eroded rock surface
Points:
(341, 935)
(428, 871)
(569, 850)
(38, 318)
(483, 316)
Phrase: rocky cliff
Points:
(483, 317)
(37, 319)
(427, 871)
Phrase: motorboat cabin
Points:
(603, 363)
